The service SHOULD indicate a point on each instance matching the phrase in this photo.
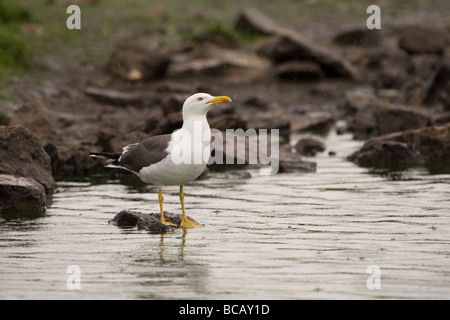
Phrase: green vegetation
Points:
(10, 13)
(13, 46)
(39, 27)
(13, 51)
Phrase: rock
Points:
(292, 162)
(228, 121)
(326, 91)
(292, 46)
(120, 141)
(21, 194)
(267, 121)
(5, 118)
(188, 66)
(35, 117)
(309, 146)
(298, 70)
(418, 39)
(428, 146)
(131, 61)
(115, 96)
(439, 90)
(381, 153)
(167, 124)
(393, 118)
(318, 121)
(233, 174)
(149, 222)
(172, 103)
(359, 99)
(254, 21)
(22, 155)
(422, 76)
(361, 107)
(228, 64)
(371, 116)
(283, 161)
(383, 67)
(360, 37)
(441, 118)
(72, 159)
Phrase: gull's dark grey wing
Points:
(143, 154)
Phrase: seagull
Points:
(172, 159)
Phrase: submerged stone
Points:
(150, 222)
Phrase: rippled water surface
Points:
(288, 236)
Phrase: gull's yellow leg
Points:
(185, 223)
(160, 199)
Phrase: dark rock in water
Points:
(293, 162)
(418, 39)
(309, 146)
(131, 61)
(20, 194)
(233, 174)
(428, 146)
(379, 153)
(149, 222)
(22, 155)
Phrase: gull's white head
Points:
(200, 103)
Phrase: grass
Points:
(10, 13)
(13, 53)
(14, 56)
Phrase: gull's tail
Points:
(111, 158)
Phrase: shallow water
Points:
(288, 236)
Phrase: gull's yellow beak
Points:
(221, 99)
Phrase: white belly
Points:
(166, 173)
(189, 151)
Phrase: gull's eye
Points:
(200, 99)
